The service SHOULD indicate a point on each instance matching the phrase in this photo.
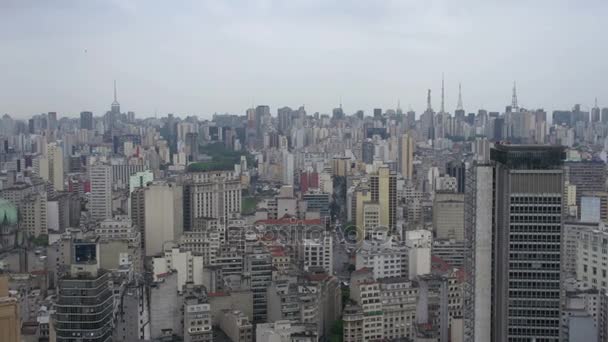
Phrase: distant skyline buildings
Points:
(370, 108)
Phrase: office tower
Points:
(448, 216)
(162, 215)
(33, 214)
(604, 115)
(377, 113)
(192, 146)
(317, 201)
(86, 120)
(458, 171)
(513, 229)
(258, 268)
(375, 202)
(10, 324)
(50, 166)
(138, 211)
(55, 166)
(406, 156)
(288, 168)
(591, 256)
(84, 307)
(285, 120)
(587, 177)
(123, 169)
(595, 113)
(100, 201)
(367, 151)
(261, 112)
(52, 121)
(215, 194)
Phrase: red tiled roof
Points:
(289, 220)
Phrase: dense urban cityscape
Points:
(295, 226)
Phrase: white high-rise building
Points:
(163, 214)
(100, 201)
(55, 160)
(50, 166)
(215, 194)
(288, 168)
(317, 252)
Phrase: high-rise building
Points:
(162, 215)
(376, 201)
(55, 160)
(52, 120)
(258, 268)
(406, 156)
(367, 151)
(513, 229)
(288, 168)
(458, 171)
(587, 177)
(86, 120)
(85, 304)
(100, 202)
(50, 166)
(448, 216)
(215, 194)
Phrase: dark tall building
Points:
(499, 128)
(85, 303)
(513, 229)
(192, 146)
(377, 113)
(337, 113)
(604, 115)
(367, 152)
(260, 112)
(458, 171)
(86, 120)
(52, 120)
(587, 177)
(285, 119)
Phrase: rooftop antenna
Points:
(514, 98)
(442, 94)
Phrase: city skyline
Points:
(217, 57)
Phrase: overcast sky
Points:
(204, 56)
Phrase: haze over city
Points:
(203, 57)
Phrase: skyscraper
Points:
(50, 166)
(52, 121)
(406, 156)
(100, 202)
(513, 228)
(458, 171)
(375, 201)
(84, 307)
(86, 120)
